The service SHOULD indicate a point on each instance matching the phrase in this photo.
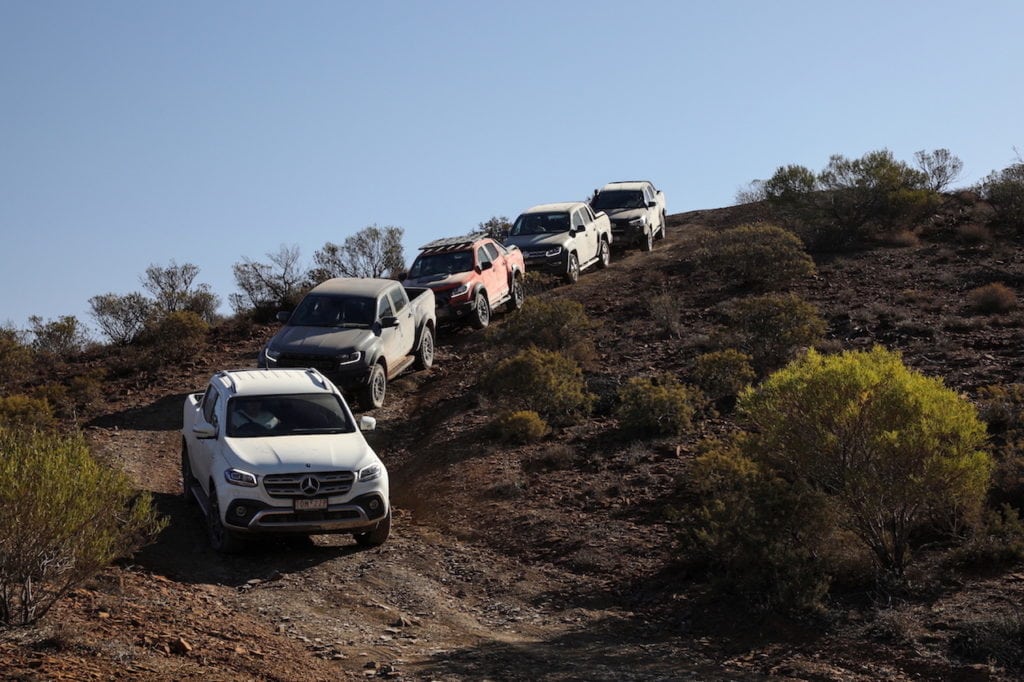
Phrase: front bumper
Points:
(627, 233)
(258, 516)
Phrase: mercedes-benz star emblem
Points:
(309, 486)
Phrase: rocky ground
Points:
(555, 561)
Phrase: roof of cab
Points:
(354, 286)
(564, 206)
(626, 184)
(272, 381)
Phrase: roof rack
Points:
(316, 376)
(453, 243)
(622, 182)
(231, 380)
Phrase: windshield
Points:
(540, 223)
(334, 311)
(618, 198)
(427, 264)
(286, 415)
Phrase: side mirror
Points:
(367, 423)
(389, 321)
(652, 204)
(283, 315)
(204, 430)
(572, 231)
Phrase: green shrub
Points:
(175, 337)
(15, 358)
(754, 534)
(541, 380)
(65, 517)
(723, 373)
(1004, 190)
(771, 328)
(60, 338)
(991, 299)
(121, 318)
(997, 542)
(521, 426)
(894, 450)
(26, 412)
(765, 257)
(657, 406)
(551, 324)
(1002, 406)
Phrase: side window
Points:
(482, 256)
(210, 406)
(577, 219)
(588, 214)
(491, 251)
(648, 195)
(398, 299)
(384, 308)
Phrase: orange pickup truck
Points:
(471, 276)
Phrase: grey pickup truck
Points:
(360, 333)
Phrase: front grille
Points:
(290, 485)
(320, 363)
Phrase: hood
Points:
(526, 242)
(440, 281)
(320, 340)
(279, 454)
(625, 213)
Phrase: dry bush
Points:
(541, 380)
(974, 234)
(1001, 406)
(764, 257)
(667, 311)
(520, 427)
(65, 517)
(557, 457)
(723, 373)
(656, 406)
(556, 325)
(25, 412)
(992, 299)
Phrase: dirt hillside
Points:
(555, 561)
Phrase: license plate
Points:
(318, 504)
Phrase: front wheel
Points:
(648, 243)
(518, 294)
(221, 539)
(376, 537)
(604, 255)
(425, 353)
(371, 396)
(572, 270)
(481, 311)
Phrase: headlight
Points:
(460, 290)
(271, 354)
(349, 358)
(639, 222)
(551, 253)
(370, 473)
(239, 477)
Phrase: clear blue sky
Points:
(137, 133)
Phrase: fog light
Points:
(241, 511)
(374, 504)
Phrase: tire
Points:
(376, 537)
(425, 353)
(481, 311)
(661, 232)
(648, 241)
(371, 396)
(221, 539)
(515, 301)
(604, 255)
(572, 269)
(187, 479)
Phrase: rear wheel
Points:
(376, 537)
(481, 311)
(371, 396)
(425, 353)
(572, 270)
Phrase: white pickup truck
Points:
(360, 332)
(278, 451)
(563, 239)
(636, 209)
